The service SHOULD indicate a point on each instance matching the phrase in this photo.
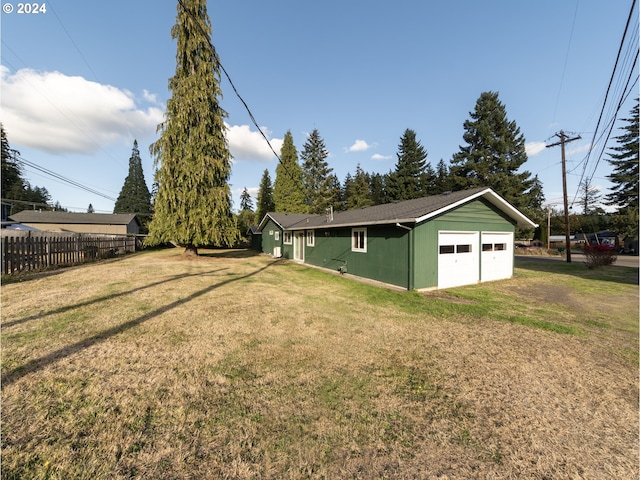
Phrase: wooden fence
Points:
(29, 251)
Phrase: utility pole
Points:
(567, 233)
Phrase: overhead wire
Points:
(58, 176)
(615, 108)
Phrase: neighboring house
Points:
(255, 238)
(99, 223)
(440, 241)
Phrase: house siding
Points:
(386, 259)
(268, 237)
(476, 216)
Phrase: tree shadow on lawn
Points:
(608, 273)
(104, 298)
(227, 253)
(39, 363)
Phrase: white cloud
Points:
(56, 113)
(247, 144)
(577, 149)
(534, 148)
(359, 146)
(150, 97)
(377, 156)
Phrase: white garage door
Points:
(497, 256)
(458, 259)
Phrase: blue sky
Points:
(83, 80)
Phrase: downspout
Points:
(410, 260)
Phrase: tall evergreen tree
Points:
(90, 208)
(265, 197)
(442, 182)
(588, 198)
(359, 192)
(347, 191)
(318, 182)
(11, 172)
(134, 196)
(406, 181)
(193, 203)
(288, 187)
(377, 183)
(246, 216)
(246, 203)
(493, 156)
(625, 160)
(14, 186)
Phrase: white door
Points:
(458, 259)
(496, 259)
(298, 246)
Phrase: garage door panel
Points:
(458, 258)
(497, 256)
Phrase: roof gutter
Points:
(399, 225)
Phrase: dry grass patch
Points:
(238, 366)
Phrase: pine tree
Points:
(378, 188)
(589, 198)
(359, 193)
(406, 181)
(14, 187)
(318, 183)
(134, 196)
(625, 160)
(493, 156)
(11, 172)
(90, 208)
(246, 203)
(288, 188)
(246, 217)
(193, 203)
(442, 182)
(265, 197)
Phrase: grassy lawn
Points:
(239, 366)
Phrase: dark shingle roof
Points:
(284, 220)
(408, 211)
(35, 216)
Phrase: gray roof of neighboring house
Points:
(36, 216)
(284, 220)
(408, 211)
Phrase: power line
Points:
(604, 104)
(63, 178)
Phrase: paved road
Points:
(623, 260)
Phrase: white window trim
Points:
(287, 238)
(353, 247)
(311, 238)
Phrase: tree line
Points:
(493, 157)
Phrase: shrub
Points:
(598, 255)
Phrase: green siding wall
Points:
(386, 259)
(268, 241)
(477, 216)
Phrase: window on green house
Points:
(359, 240)
(287, 238)
(311, 238)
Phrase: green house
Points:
(435, 242)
